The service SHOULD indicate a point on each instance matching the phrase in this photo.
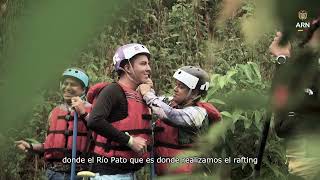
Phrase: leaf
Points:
(247, 123)
(257, 117)
(226, 114)
(247, 72)
(256, 70)
(216, 101)
(231, 73)
(221, 82)
(243, 165)
(174, 35)
(31, 140)
(232, 127)
(223, 153)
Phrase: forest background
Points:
(229, 39)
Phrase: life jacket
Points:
(137, 123)
(58, 143)
(94, 91)
(174, 140)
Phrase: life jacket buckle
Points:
(291, 114)
(147, 117)
(67, 117)
(107, 146)
(67, 133)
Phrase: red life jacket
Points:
(58, 143)
(94, 91)
(168, 144)
(137, 123)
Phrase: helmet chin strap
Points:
(184, 103)
(82, 96)
(133, 79)
(134, 73)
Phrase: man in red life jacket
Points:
(121, 118)
(58, 143)
(184, 119)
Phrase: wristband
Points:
(130, 142)
(30, 148)
(281, 59)
(83, 116)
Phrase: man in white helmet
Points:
(121, 118)
(184, 118)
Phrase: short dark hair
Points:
(122, 64)
(125, 62)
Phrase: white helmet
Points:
(127, 51)
(193, 78)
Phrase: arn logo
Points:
(301, 26)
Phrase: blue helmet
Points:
(78, 74)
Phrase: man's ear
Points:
(84, 91)
(194, 93)
(127, 68)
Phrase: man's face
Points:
(180, 93)
(71, 88)
(141, 68)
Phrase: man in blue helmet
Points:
(121, 118)
(58, 143)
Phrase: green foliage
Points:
(242, 135)
(239, 134)
(178, 33)
(160, 24)
(240, 130)
(14, 163)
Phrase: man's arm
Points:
(279, 87)
(109, 97)
(189, 116)
(98, 118)
(29, 147)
